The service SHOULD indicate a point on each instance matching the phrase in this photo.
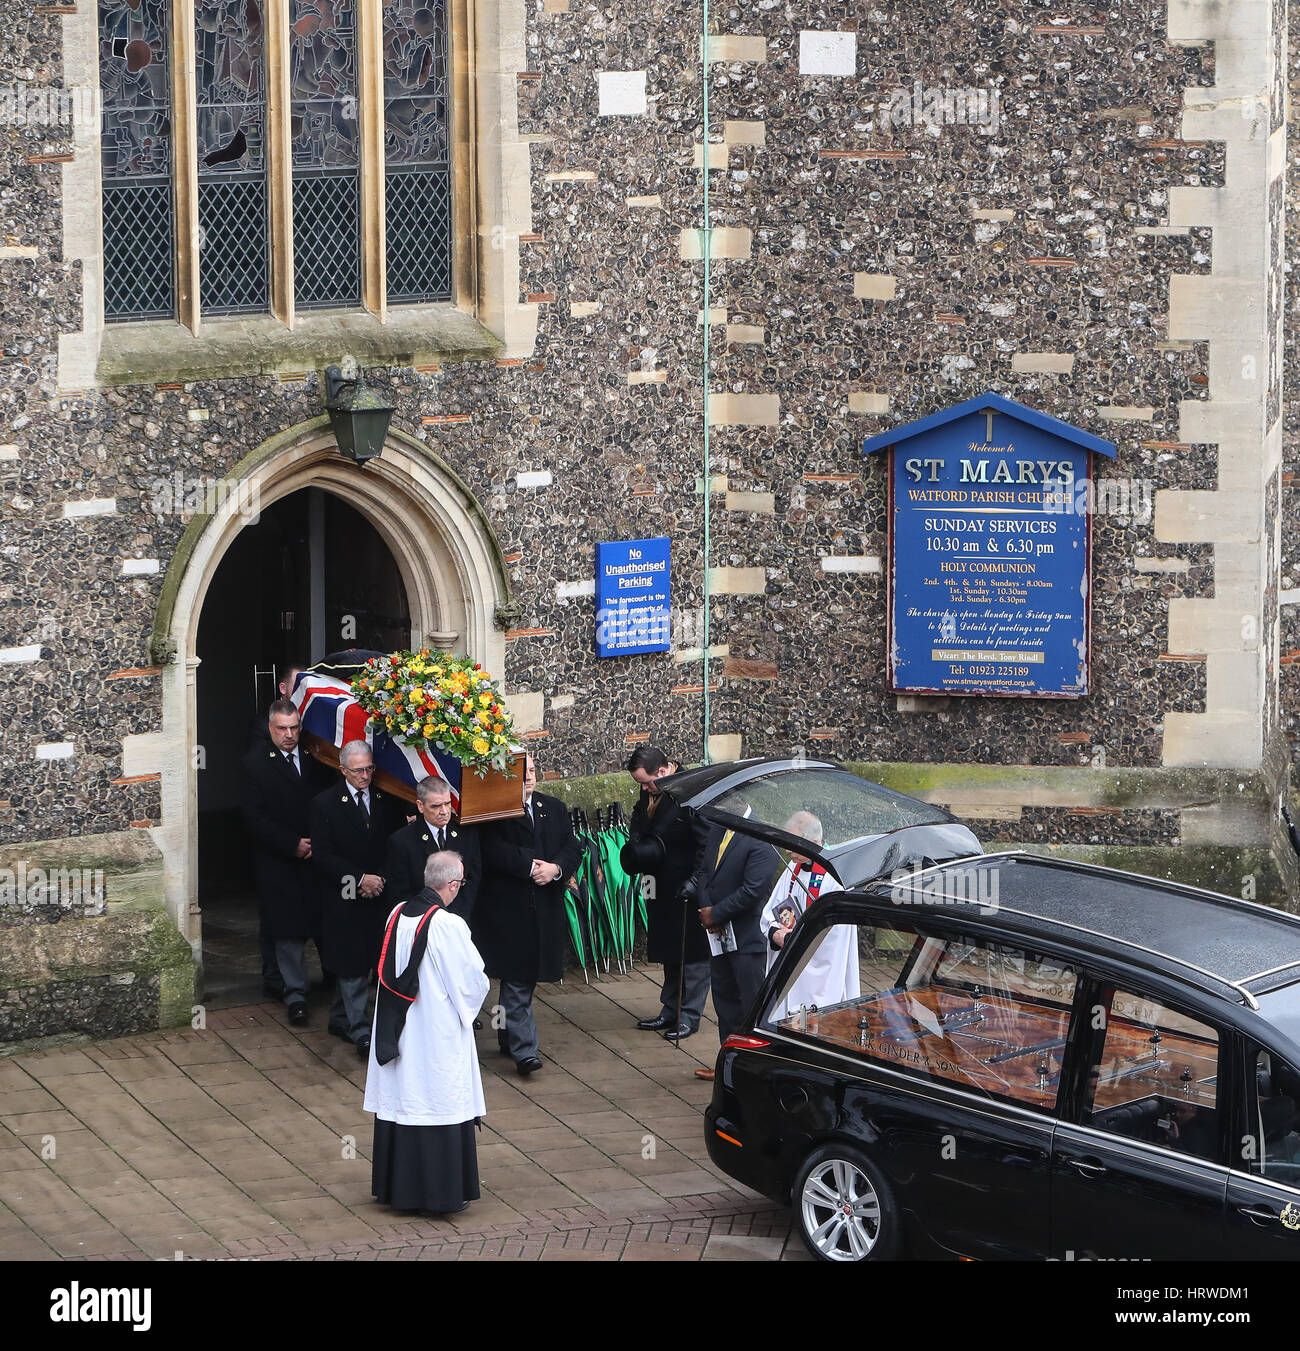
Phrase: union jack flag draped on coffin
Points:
(328, 709)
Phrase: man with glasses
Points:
(423, 1083)
(350, 829)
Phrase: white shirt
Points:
(435, 1080)
(830, 973)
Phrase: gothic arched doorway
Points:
(428, 541)
(309, 576)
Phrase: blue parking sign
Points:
(633, 610)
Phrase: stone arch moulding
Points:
(438, 533)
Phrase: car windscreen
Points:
(847, 806)
(1281, 1008)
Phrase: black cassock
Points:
(343, 848)
(276, 806)
(519, 927)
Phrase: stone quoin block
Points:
(1144, 564)
(14, 655)
(1123, 413)
(738, 581)
(744, 133)
(850, 563)
(726, 241)
(737, 47)
(1042, 363)
(724, 746)
(868, 401)
(622, 93)
(92, 506)
(822, 53)
(688, 654)
(740, 334)
(874, 286)
(744, 410)
(528, 708)
(762, 503)
(719, 155)
(533, 478)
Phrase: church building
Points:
(638, 272)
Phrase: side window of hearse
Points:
(988, 1020)
(1273, 1148)
(1155, 1076)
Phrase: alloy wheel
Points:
(841, 1211)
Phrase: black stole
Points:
(397, 993)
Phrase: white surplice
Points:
(435, 1080)
(830, 975)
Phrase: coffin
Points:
(331, 717)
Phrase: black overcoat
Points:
(681, 839)
(276, 805)
(738, 887)
(520, 928)
(408, 852)
(343, 849)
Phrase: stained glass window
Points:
(326, 163)
(136, 159)
(417, 151)
(239, 168)
(229, 47)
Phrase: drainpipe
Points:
(707, 241)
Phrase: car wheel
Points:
(845, 1208)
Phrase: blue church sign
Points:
(989, 551)
(633, 611)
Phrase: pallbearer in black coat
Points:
(350, 828)
(433, 829)
(280, 781)
(664, 845)
(259, 739)
(519, 924)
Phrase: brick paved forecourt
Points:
(247, 1139)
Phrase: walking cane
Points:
(681, 974)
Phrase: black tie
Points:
(292, 758)
(361, 802)
(442, 843)
(528, 807)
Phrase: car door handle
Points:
(1260, 1215)
(1086, 1168)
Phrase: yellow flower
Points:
(481, 747)
(428, 729)
(485, 699)
(391, 683)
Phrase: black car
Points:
(870, 831)
(1012, 1056)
